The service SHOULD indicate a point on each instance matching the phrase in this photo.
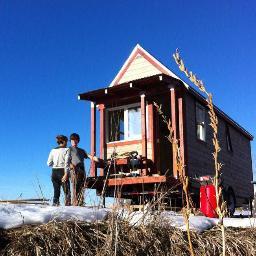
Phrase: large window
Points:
(200, 122)
(124, 123)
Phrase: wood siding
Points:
(237, 169)
(127, 148)
(139, 68)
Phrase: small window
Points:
(228, 140)
(124, 123)
(200, 122)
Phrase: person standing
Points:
(74, 163)
(60, 176)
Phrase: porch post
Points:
(181, 130)
(102, 135)
(174, 127)
(151, 129)
(93, 139)
(143, 127)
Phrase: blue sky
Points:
(51, 50)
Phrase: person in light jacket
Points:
(60, 176)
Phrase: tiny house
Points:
(129, 122)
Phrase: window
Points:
(200, 122)
(116, 125)
(124, 123)
(134, 123)
(228, 140)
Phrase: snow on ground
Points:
(197, 223)
(13, 216)
(169, 218)
(240, 222)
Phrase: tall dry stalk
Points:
(186, 211)
(214, 124)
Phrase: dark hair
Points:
(75, 136)
(61, 139)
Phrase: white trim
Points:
(124, 65)
(138, 47)
(168, 72)
(92, 104)
(125, 108)
(202, 126)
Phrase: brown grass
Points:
(221, 206)
(80, 238)
(180, 168)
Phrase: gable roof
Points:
(140, 64)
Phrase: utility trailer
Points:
(129, 121)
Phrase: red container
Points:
(208, 202)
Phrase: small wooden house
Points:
(129, 122)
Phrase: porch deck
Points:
(98, 182)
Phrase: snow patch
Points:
(13, 216)
(169, 218)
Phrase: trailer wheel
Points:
(231, 201)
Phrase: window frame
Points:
(125, 108)
(201, 107)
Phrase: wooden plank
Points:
(136, 180)
(93, 139)
(181, 129)
(102, 135)
(174, 126)
(151, 130)
(143, 128)
(157, 144)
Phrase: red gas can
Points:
(208, 202)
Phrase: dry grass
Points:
(221, 206)
(180, 168)
(80, 238)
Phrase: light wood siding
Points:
(139, 68)
(129, 148)
(237, 169)
(124, 148)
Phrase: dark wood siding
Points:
(237, 169)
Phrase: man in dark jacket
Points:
(74, 163)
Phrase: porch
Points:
(155, 152)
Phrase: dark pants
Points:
(78, 180)
(57, 175)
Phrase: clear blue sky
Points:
(51, 50)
